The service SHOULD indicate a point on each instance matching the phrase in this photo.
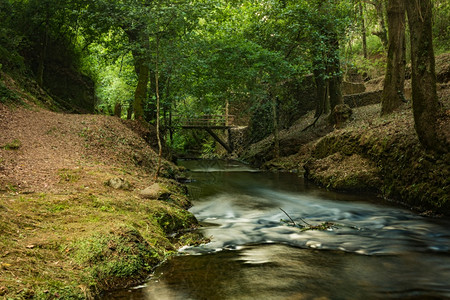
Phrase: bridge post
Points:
(230, 140)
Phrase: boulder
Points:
(155, 192)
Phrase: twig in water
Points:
(293, 222)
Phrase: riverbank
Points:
(74, 221)
(368, 153)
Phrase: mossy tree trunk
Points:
(321, 93)
(394, 79)
(363, 28)
(142, 69)
(424, 96)
(140, 94)
(335, 81)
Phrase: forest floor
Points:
(369, 152)
(67, 229)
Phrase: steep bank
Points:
(73, 221)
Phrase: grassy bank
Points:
(78, 244)
(73, 221)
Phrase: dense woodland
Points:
(344, 93)
(151, 60)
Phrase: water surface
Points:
(374, 250)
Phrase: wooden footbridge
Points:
(209, 123)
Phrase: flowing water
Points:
(372, 251)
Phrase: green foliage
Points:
(7, 95)
(441, 26)
(261, 121)
(368, 68)
(208, 52)
(9, 39)
(14, 145)
(115, 78)
(374, 46)
(208, 149)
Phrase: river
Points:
(373, 250)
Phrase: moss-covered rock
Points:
(172, 219)
(118, 258)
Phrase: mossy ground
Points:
(378, 154)
(85, 240)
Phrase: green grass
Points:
(67, 175)
(14, 145)
(115, 240)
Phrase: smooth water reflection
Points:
(374, 251)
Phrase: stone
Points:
(118, 183)
(155, 192)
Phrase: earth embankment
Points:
(73, 220)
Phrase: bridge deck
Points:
(208, 123)
(205, 121)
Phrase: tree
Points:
(48, 30)
(330, 26)
(380, 10)
(123, 18)
(363, 28)
(424, 96)
(394, 80)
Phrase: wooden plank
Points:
(228, 148)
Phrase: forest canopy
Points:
(197, 57)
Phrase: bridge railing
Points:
(208, 121)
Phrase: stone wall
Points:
(363, 99)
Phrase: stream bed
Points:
(373, 250)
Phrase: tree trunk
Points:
(129, 111)
(118, 109)
(158, 135)
(141, 68)
(335, 82)
(276, 139)
(43, 52)
(321, 93)
(424, 96)
(363, 29)
(151, 105)
(394, 79)
(140, 94)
